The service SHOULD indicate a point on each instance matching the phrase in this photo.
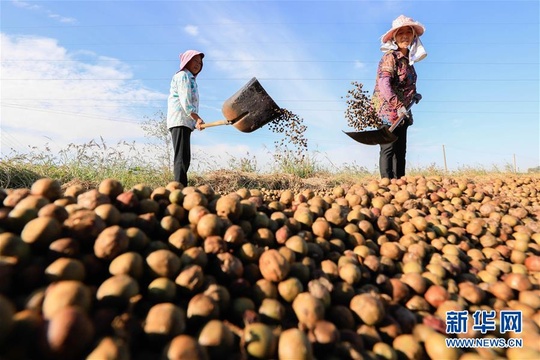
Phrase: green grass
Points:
(87, 164)
(90, 163)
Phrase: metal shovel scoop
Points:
(383, 135)
(249, 109)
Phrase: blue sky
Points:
(73, 71)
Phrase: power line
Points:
(260, 78)
(132, 121)
(277, 100)
(129, 121)
(244, 23)
(156, 108)
(268, 61)
(11, 141)
(435, 43)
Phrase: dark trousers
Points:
(392, 156)
(181, 139)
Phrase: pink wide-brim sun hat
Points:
(402, 21)
(186, 56)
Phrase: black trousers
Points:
(181, 139)
(392, 156)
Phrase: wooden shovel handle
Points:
(215, 123)
(396, 124)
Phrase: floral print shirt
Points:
(183, 100)
(395, 85)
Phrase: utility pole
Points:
(515, 165)
(444, 157)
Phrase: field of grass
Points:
(88, 164)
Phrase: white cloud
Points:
(62, 100)
(62, 19)
(26, 5)
(41, 9)
(192, 30)
(359, 65)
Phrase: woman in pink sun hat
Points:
(183, 111)
(395, 89)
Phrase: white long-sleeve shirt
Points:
(183, 100)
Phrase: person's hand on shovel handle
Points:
(402, 112)
(199, 121)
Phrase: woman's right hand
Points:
(401, 112)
